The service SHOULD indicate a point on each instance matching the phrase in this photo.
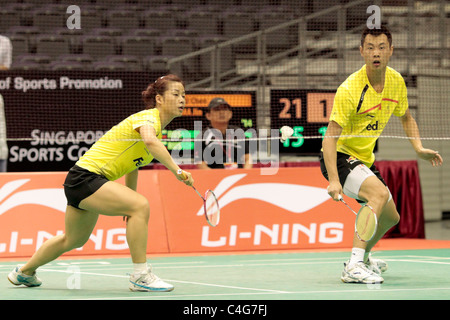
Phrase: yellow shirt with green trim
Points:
(121, 149)
(363, 113)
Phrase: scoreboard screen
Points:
(307, 112)
(243, 106)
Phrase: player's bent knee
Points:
(383, 194)
(146, 210)
(395, 218)
(141, 208)
(75, 243)
(379, 195)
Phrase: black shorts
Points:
(80, 184)
(345, 165)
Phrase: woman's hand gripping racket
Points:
(210, 204)
(366, 221)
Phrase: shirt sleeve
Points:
(342, 107)
(142, 119)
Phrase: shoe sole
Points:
(138, 288)
(27, 285)
(16, 284)
(352, 280)
(151, 290)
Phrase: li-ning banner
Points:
(52, 117)
(288, 210)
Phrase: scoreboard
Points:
(243, 106)
(307, 112)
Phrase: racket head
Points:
(211, 208)
(366, 223)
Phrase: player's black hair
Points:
(158, 87)
(376, 32)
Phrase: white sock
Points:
(140, 267)
(357, 256)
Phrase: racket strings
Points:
(212, 209)
(366, 223)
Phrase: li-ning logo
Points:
(283, 195)
(377, 107)
(50, 197)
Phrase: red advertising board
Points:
(287, 210)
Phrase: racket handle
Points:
(182, 174)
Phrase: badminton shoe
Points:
(17, 277)
(148, 282)
(376, 265)
(359, 273)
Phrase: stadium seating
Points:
(151, 31)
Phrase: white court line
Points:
(234, 265)
(206, 296)
(255, 291)
(254, 263)
(419, 261)
(170, 280)
(64, 264)
(230, 287)
(428, 257)
(376, 256)
(240, 263)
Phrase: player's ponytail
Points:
(157, 87)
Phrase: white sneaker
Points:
(359, 273)
(148, 282)
(376, 265)
(16, 277)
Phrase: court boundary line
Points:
(87, 268)
(209, 295)
(171, 280)
(243, 263)
(385, 244)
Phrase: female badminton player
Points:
(91, 189)
(362, 107)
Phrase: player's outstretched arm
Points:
(159, 151)
(412, 131)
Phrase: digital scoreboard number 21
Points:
(318, 107)
(307, 112)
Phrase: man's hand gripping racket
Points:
(366, 222)
(210, 203)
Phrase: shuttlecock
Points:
(286, 133)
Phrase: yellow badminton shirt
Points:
(121, 150)
(363, 113)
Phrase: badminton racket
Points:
(210, 203)
(366, 221)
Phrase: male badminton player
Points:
(90, 188)
(363, 104)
